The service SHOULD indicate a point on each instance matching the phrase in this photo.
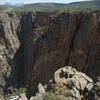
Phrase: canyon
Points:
(33, 45)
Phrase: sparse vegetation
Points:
(59, 91)
(77, 6)
(49, 7)
(16, 92)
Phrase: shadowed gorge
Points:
(34, 45)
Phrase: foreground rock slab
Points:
(68, 84)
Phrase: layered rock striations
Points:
(34, 45)
(9, 44)
(70, 39)
(15, 31)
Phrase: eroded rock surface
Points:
(68, 84)
(69, 39)
(15, 29)
(9, 44)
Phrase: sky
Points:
(36, 1)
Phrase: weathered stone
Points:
(89, 86)
(14, 28)
(23, 97)
(76, 93)
(76, 83)
(70, 39)
(66, 75)
(86, 77)
(74, 80)
(68, 84)
(14, 97)
(83, 83)
(41, 89)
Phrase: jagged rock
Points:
(64, 86)
(23, 97)
(41, 89)
(14, 28)
(70, 76)
(69, 39)
(76, 93)
(9, 44)
(74, 80)
(89, 86)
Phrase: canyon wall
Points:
(15, 30)
(34, 45)
(9, 44)
(69, 39)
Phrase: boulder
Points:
(69, 75)
(77, 82)
(41, 89)
(67, 84)
(23, 97)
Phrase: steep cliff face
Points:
(9, 44)
(15, 30)
(69, 39)
(34, 45)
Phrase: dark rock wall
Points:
(16, 31)
(69, 39)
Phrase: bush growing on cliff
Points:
(15, 92)
(59, 92)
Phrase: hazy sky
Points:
(35, 1)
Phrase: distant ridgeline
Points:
(75, 6)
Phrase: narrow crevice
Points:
(72, 43)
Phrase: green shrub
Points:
(59, 91)
(16, 92)
(49, 96)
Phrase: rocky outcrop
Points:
(70, 76)
(68, 84)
